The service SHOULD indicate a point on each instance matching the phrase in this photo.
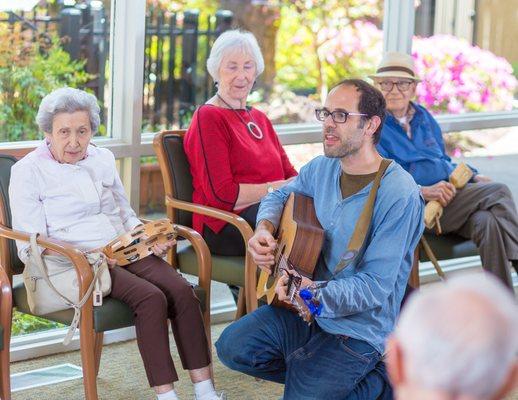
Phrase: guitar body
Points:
(299, 241)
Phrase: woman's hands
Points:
(160, 250)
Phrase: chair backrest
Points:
(9, 254)
(175, 171)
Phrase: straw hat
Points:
(396, 65)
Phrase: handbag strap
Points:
(98, 267)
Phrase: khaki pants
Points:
(486, 214)
(156, 292)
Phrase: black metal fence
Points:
(176, 50)
(175, 76)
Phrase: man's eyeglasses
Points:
(387, 86)
(338, 117)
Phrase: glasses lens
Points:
(386, 86)
(321, 114)
(339, 116)
(403, 85)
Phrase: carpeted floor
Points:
(122, 376)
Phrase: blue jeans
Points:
(277, 345)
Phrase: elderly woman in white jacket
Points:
(69, 190)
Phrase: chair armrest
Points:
(83, 269)
(231, 218)
(202, 256)
(246, 232)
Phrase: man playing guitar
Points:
(359, 287)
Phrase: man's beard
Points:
(341, 150)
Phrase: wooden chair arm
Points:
(246, 232)
(202, 256)
(83, 269)
(231, 218)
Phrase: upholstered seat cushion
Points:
(225, 269)
(113, 314)
(449, 246)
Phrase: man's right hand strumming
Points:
(262, 245)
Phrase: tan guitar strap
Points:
(364, 221)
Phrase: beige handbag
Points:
(51, 284)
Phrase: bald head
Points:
(460, 337)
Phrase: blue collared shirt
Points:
(423, 155)
(363, 300)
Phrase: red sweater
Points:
(222, 154)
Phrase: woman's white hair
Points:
(231, 41)
(67, 100)
(460, 337)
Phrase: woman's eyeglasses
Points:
(338, 116)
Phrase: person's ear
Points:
(510, 383)
(372, 125)
(394, 362)
(413, 89)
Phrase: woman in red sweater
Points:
(234, 153)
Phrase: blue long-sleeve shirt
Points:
(363, 300)
(423, 155)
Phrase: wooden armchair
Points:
(178, 189)
(113, 314)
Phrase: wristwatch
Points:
(269, 187)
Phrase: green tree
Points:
(310, 36)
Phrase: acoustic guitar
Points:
(299, 241)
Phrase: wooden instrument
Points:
(433, 210)
(137, 244)
(299, 241)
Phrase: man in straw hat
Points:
(482, 211)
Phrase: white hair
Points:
(67, 100)
(230, 41)
(461, 336)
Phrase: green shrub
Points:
(29, 71)
(24, 324)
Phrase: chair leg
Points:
(241, 304)
(6, 320)
(5, 379)
(99, 336)
(413, 280)
(87, 343)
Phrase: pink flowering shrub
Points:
(353, 51)
(457, 77)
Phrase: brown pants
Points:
(486, 214)
(156, 292)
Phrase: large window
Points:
(308, 46)
(45, 46)
(158, 74)
(465, 57)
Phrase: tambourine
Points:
(137, 244)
